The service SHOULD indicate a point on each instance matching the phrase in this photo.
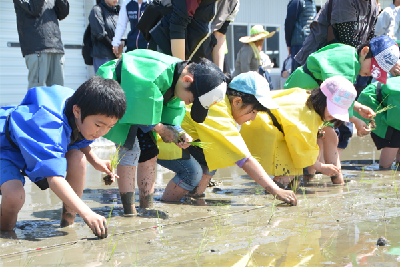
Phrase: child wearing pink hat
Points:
(285, 141)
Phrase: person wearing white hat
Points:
(248, 57)
(247, 95)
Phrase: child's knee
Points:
(75, 158)
(13, 195)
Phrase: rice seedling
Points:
(59, 264)
(136, 256)
(307, 204)
(115, 160)
(173, 229)
(27, 262)
(201, 248)
(305, 229)
(394, 171)
(218, 218)
(159, 228)
(273, 207)
(330, 211)
(109, 244)
(202, 145)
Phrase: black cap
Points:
(211, 87)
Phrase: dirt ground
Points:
(236, 224)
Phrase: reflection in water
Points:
(235, 224)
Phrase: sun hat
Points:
(385, 55)
(254, 84)
(210, 83)
(340, 95)
(256, 33)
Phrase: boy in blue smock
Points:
(47, 136)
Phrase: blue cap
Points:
(385, 51)
(254, 84)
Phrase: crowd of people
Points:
(168, 90)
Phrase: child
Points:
(286, 70)
(384, 100)
(374, 59)
(285, 141)
(157, 86)
(49, 134)
(248, 94)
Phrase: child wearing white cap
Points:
(285, 141)
(247, 95)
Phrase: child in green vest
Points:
(375, 59)
(384, 99)
(157, 87)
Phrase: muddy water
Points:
(236, 224)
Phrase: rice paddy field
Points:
(235, 224)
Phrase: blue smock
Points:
(40, 128)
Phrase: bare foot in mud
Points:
(337, 180)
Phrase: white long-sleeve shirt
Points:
(122, 23)
(386, 22)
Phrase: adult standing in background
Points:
(195, 29)
(300, 14)
(385, 24)
(103, 21)
(131, 11)
(352, 22)
(248, 57)
(40, 39)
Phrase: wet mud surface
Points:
(235, 224)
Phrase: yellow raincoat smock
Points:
(225, 145)
(285, 154)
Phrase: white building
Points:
(13, 71)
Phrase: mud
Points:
(235, 224)
(128, 203)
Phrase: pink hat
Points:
(340, 95)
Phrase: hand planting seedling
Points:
(115, 160)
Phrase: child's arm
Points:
(97, 163)
(64, 191)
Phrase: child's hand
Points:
(365, 112)
(97, 224)
(105, 166)
(184, 139)
(362, 128)
(287, 196)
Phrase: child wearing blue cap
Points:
(247, 94)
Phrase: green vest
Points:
(145, 77)
(390, 98)
(331, 60)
